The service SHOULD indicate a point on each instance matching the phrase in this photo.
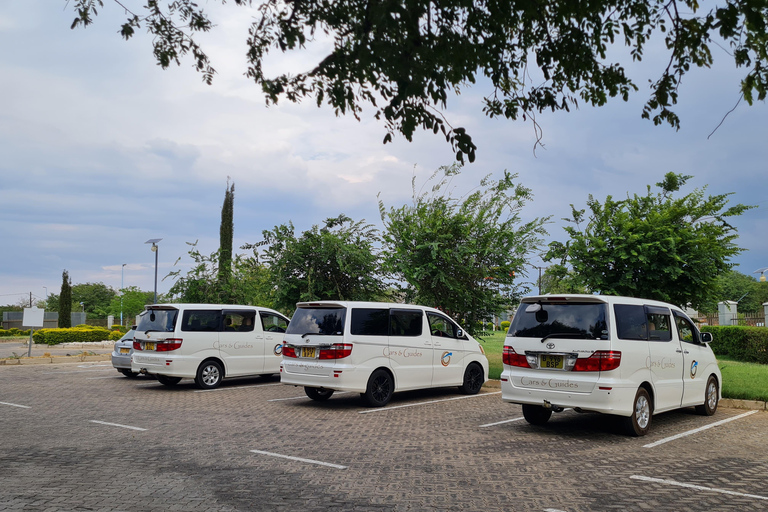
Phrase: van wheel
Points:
(642, 411)
(711, 397)
(209, 375)
(319, 394)
(536, 414)
(128, 373)
(168, 381)
(379, 390)
(473, 380)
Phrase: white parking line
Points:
(302, 397)
(426, 403)
(299, 459)
(237, 387)
(117, 425)
(78, 371)
(501, 422)
(697, 487)
(696, 430)
(15, 405)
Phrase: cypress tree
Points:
(226, 233)
(65, 301)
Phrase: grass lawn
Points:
(743, 381)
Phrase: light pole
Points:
(122, 280)
(154, 242)
(46, 293)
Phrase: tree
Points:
(737, 287)
(226, 233)
(654, 246)
(336, 262)
(133, 302)
(96, 298)
(65, 301)
(462, 255)
(405, 58)
(558, 278)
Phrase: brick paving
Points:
(195, 454)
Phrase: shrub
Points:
(13, 332)
(505, 325)
(115, 335)
(73, 335)
(749, 344)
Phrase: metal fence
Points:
(744, 319)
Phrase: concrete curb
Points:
(54, 359)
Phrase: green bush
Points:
(13, 332)
(749, 344)
(505, 325)
(78, 334)
(115, 335)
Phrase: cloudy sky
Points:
(101, 150)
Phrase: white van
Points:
(207, 342)
(615, 355)
(375, 349)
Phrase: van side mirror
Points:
(705, 337)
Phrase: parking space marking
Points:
(237, 387)
(299, 459)
(15, 405)
(501, 422)
(697, 487)
(427, 403)
(100, 378)
(696, 430)
(305, 397)
(77, 371)
(117, 425)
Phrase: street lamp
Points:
(761, 271)
(83, 305)
(154, 241)
(122, 279)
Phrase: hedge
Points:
(13, 332)
(79, 334)
(749, 344)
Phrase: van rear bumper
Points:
(343, 379)
(168, 365)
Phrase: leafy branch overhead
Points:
(405, 58)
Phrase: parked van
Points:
(207, 342)
(616, 355)
(375, 349)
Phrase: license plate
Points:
(308, 352)
(551, 361)
(149, 346)
(125, 350)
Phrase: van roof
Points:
(607, 299)
(207, 306)
(362, 304)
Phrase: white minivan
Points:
(207, 342)
(375, 349)
(616, 355)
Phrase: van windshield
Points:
(162, 320)
(571, 321)
(326, 321)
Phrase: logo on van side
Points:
(694, 367)
(445, 360)
(278, 350)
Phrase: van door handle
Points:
(679, 351)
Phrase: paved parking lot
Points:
(83, 437)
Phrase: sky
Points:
(102, 150)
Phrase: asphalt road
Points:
(80, 436)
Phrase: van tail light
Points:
(136, 345)
(600, 361)
(168, 345)
(337, 351)
(289, 351)
(512, 358)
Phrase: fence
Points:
(15, 319)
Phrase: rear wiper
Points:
(561, 335)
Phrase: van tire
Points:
(379, 390)
(168, 381)
(209, 375)
(642, 413)
(536, 414)
(711, 398)
(473, 379)
(318, 394)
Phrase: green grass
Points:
(742, 381)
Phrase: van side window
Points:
(685, 329)
(406, 323)
(273, 323)
(659, 328)
(370, 322)
(241, 321)
(630, 322)
(441, 326)
(200, 320)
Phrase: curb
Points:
(54, 359)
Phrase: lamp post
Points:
(154, 242)
(122, 280)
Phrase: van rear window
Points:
(326, 321)
(162, 320)
(571, 320)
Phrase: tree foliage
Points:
(405, 58)
(558, 278)
(96, 298)
(65, 301)
(654, 246)
(338, 261)
(131, 304)
(226, 233)
(462, 255)
(734, 286)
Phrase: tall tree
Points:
(96, 297)
(132, 303)
(226, 234)
(65, 301)
(404, 58)
(462, 254)
(338, 261)
(654, 246)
